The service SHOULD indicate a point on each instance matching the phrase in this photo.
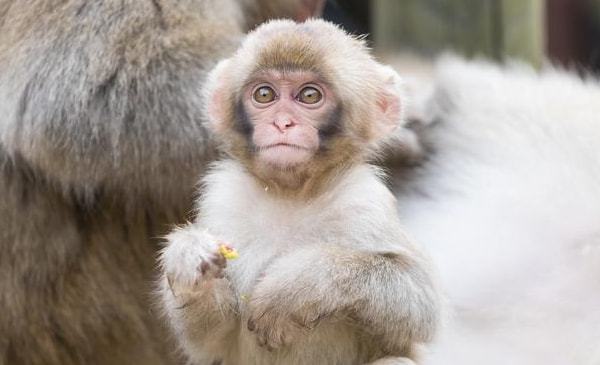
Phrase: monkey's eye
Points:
(310, 95)
(264, 95)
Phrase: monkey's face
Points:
(287, 116)
(300, 101)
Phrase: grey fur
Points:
(101, 143)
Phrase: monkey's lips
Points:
(284, 154)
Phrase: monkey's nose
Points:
(284, 124)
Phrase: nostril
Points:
(284, 124)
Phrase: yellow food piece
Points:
(228, 252)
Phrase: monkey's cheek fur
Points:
(285, 155)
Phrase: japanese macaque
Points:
(325, 274)
(101, 143)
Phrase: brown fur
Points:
(290, 53)
(101, 145)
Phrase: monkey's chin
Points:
(285, 156)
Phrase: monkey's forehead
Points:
(313, 45)
(289, 54)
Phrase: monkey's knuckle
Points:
(187, 278)
(274, 331)
(270, 339)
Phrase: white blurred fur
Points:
(509, 207)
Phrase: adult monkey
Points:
(100, 145)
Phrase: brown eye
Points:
(310, 95)
(264, 95)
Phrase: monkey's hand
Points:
(276, 322)
(191, 261)
(197, 300)
(290, 301)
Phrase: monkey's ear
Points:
(217, 97)
(390, 97)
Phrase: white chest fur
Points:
(237, 210)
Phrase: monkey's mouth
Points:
(284, 154)
(283, 144)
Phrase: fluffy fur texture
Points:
(509, 206)
(325, 278)
(81, 114)
(101, 143)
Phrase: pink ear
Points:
(216, 97)
(216, 110)
(389, 103)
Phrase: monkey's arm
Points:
(198, 301)
(389, 293)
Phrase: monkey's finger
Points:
(298, 320)
(275, 339)
(251, 325)
(187, 304)
(219, 260)
(283, 339)
(209, 270)
(262, 339)
(203, 267)
(314, 321)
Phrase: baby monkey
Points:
(325, 273)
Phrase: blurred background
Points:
(564, 32)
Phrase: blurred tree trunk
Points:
(496, 29)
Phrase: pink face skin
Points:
(286, 111)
